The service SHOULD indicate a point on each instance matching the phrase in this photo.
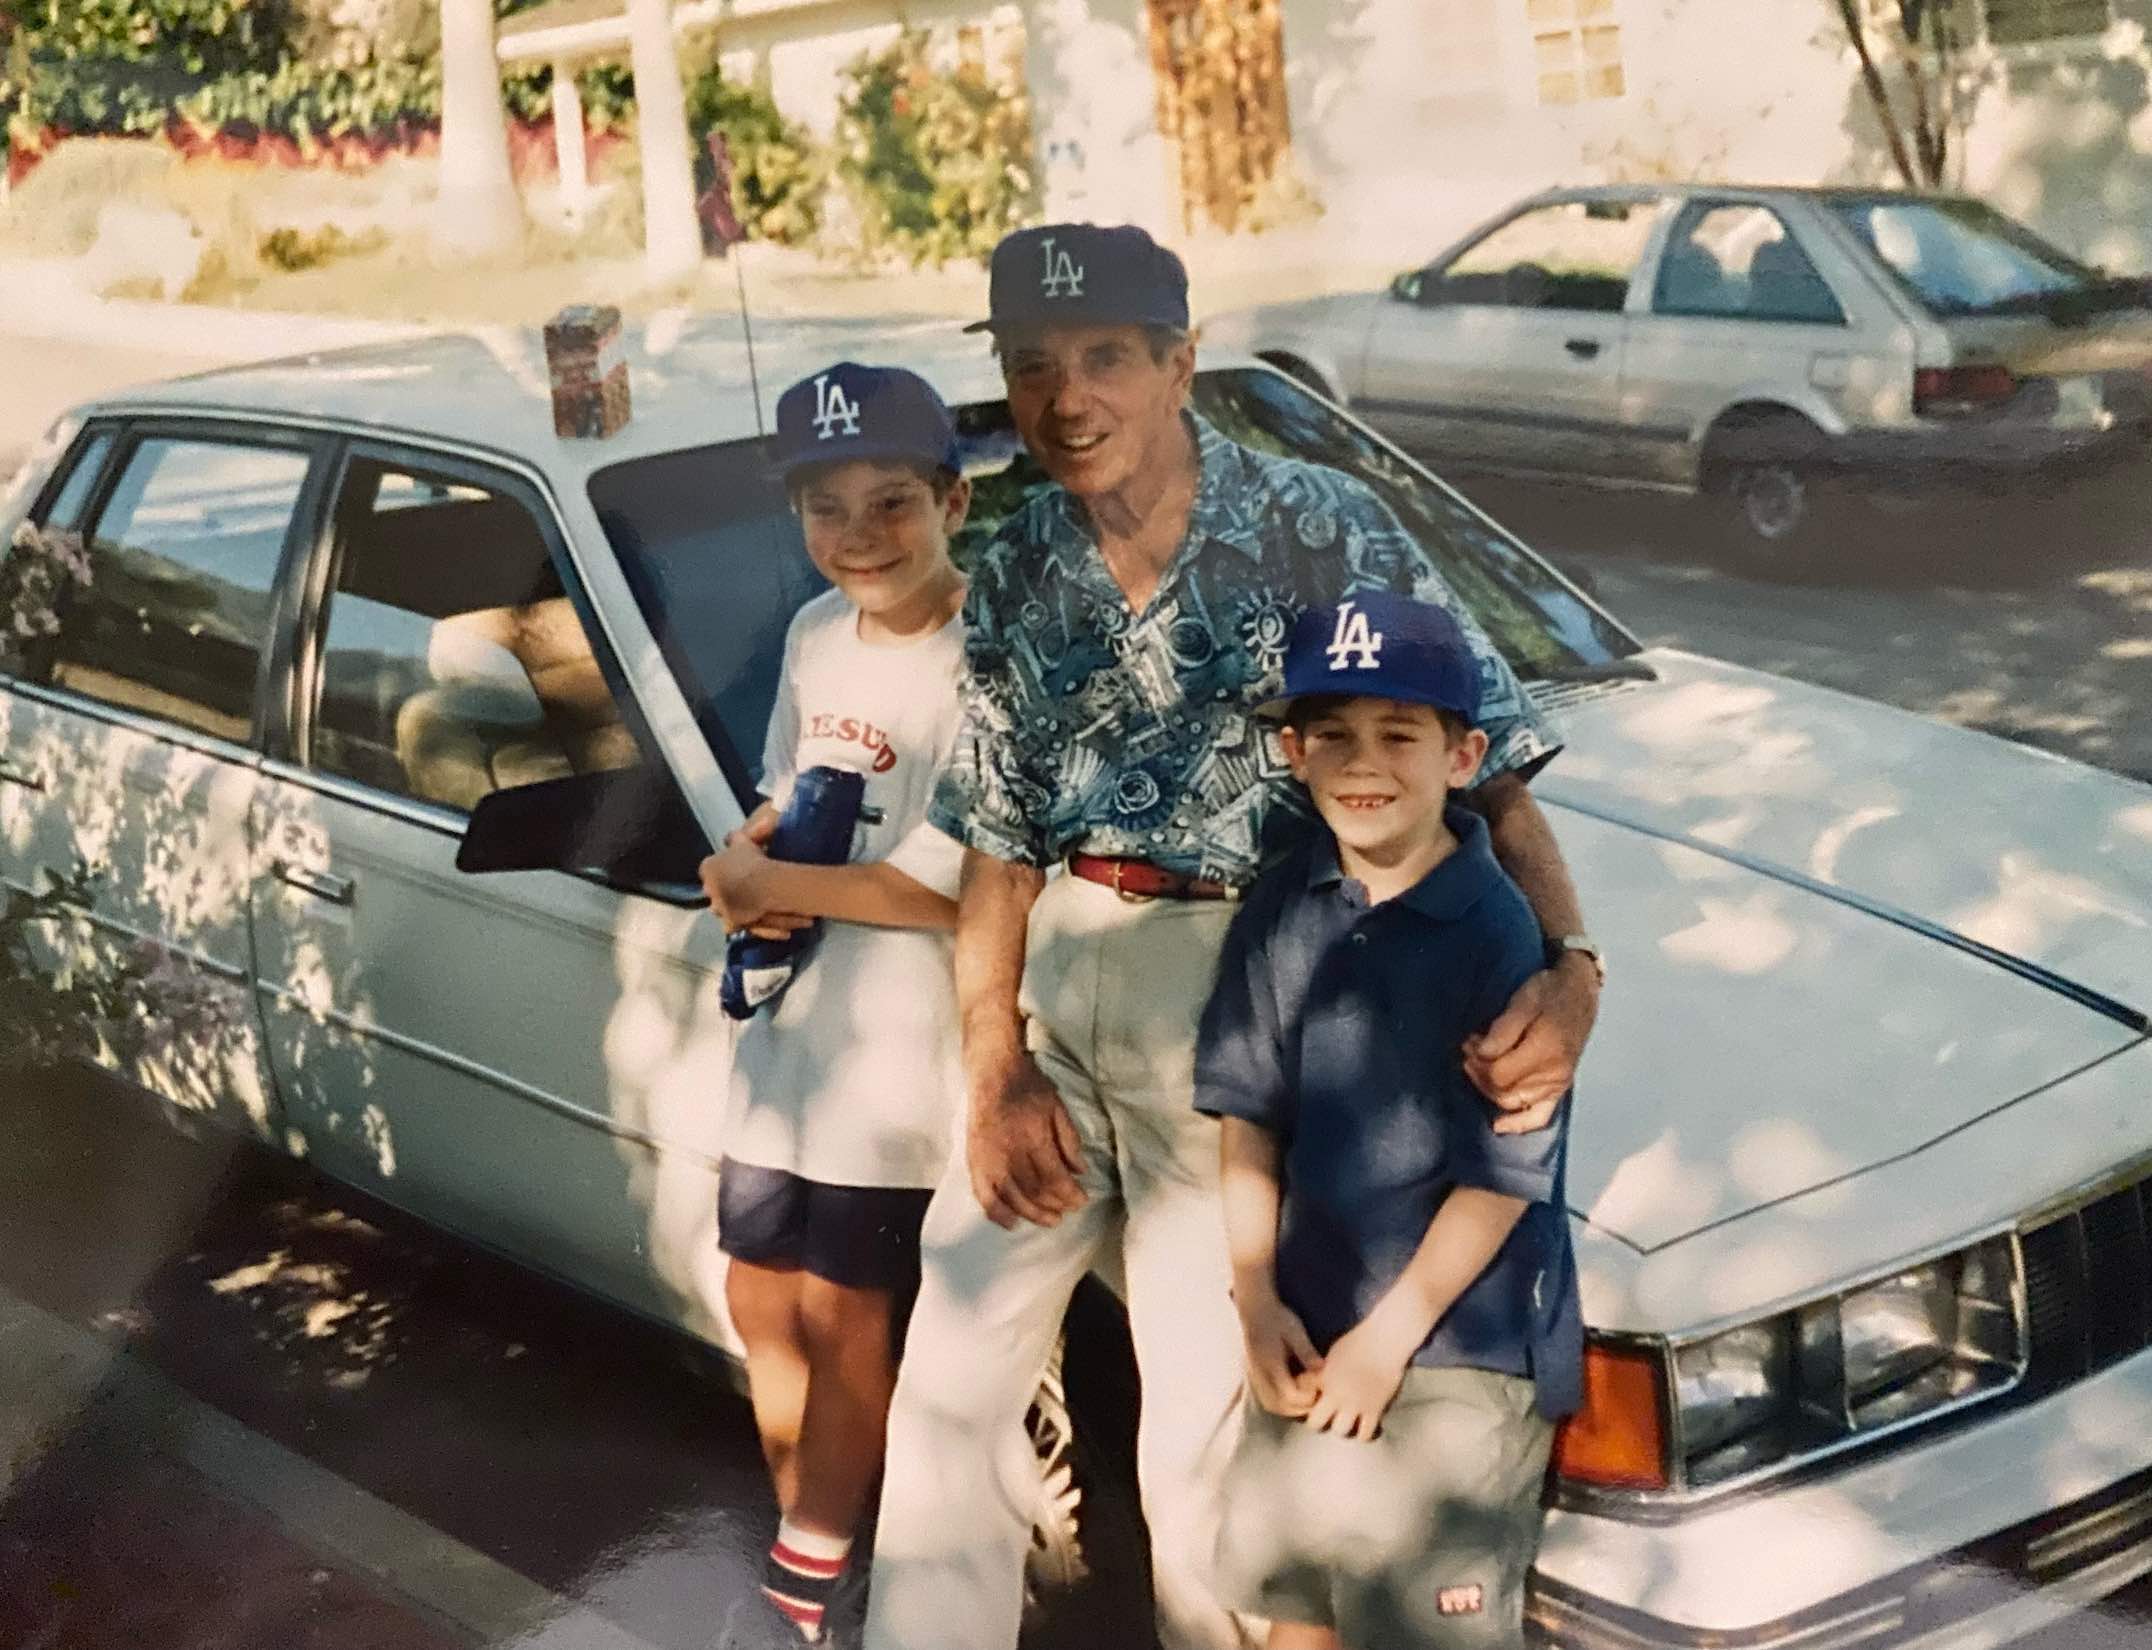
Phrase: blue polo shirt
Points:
(1338, 1025)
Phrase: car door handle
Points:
(1582, 348)
(321, 884)
(12, 775)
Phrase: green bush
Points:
(777, 175)
(197, 39)
(940, 161)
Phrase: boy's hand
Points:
(1282, 1361)
(1361, 1376)
(733, 881)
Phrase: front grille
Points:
(2088, 1285)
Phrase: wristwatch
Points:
(1560, 945)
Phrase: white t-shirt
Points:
(855, 1078)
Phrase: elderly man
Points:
(1121, 626)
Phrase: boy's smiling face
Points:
(878, 532)
(1380, 771)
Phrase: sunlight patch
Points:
(1745, 937)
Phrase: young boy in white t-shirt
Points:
(844, 1096)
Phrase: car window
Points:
(1740, 261)
(713, 554)
(1959, 257)
(171, 611)
(73, 495)
(453, 663)
(1568, 255)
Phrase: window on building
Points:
(454, 664)
(1576, 49)
(175, 613)
(1740, 262)
(2030, 22)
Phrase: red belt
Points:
(1140, 879)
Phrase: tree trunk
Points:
(476, 211)
(1878, 95)
(672, 238)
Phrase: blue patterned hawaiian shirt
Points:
(1090, 726)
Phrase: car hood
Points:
(1837, 935)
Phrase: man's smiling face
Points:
(1094, 404)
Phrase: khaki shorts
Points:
(1422, 1537)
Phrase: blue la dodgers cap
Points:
(848, 411)
(1382, 646)
(1084, 274)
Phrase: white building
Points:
(1409, 119)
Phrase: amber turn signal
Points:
(1618, 1439)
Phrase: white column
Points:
(568, 143)
(1094, 113)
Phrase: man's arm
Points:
(1019, 1142)
(1526, 1060)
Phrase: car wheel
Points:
(1780, 516)
(1056, 1561)
(1088, 1578)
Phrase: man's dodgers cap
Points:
(1383, 646)
(848, 411)
(1084, 274)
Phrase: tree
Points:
(672, 238)
(477, 210)
(1920, 41)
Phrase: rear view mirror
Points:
(631, 826)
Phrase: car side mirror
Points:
(631, 826)
(1409, 287)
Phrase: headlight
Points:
(1805, 1383)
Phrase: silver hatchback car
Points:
(1748, 345)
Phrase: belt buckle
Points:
(1122, 894)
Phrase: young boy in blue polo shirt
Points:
(1403, 1273)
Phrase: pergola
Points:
(570, 33)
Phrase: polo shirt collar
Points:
(1445, 893)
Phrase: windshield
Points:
(1959, 257)
(708, 544)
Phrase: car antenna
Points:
(747, 330)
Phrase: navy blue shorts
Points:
(859, 1237)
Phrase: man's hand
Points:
(1361, 1376)
(1282, 1361)
(1022, 1147)
(1526, 1060)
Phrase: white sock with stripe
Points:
(802, 1570)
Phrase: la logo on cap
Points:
(1063, 277)
(833, 409)
(1352, 636)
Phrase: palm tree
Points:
(477, 210)
(672, 238)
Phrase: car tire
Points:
(1779, 517)
(1088, 1576)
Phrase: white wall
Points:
(1095, 113)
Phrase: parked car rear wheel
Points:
(1780, 519)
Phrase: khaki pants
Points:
(1112, 991)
